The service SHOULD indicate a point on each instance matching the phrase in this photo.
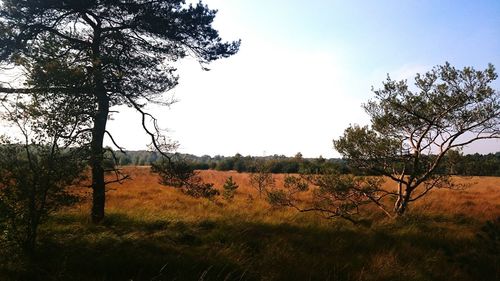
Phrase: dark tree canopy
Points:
(131, 43)
(102, 53)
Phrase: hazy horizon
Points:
(305, 68)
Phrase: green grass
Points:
(417, 247)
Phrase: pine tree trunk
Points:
(98, 132)
(98, 183)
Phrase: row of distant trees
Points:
(243, 164)
(456, 163)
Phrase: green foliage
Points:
(466, 165)
(132, 49)
(109, 161)
(345, 195)
(334, 195)
(473, 164)
(124, 161)
(229, 189)
(173, 173)
(293, 187)
(199, 189)
(34, 182)
(278, 198)
(36, 170)
(295, 183)
(180, 174)
(241, 164)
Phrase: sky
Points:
(305, 68)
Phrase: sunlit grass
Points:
(149, 227)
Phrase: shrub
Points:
(229, 189)
(34, 182)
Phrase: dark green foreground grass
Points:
(414, 248)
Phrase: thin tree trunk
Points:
(30, 243)
(402, 204)
(400, 197)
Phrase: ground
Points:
(153, 232)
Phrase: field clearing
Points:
(479, 200)
(152, 231)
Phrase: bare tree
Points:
(262, 178)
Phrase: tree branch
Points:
(115, 144)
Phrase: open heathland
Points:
(154, 232)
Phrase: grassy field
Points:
(154, 232)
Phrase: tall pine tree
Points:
(103, 53)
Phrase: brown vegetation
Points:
(144, 195)
(154, 232)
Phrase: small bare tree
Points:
(262, 179)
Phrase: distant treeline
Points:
(477, 165)
(466, 165)
(238, 162)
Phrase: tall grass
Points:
(154, 232)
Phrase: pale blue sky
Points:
(374, 34)
(305, 67)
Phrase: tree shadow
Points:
(124, 248)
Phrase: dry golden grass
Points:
(480, 200)
(149, 226)
(143, 196)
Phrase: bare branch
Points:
(120, 180)
(114, 142)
